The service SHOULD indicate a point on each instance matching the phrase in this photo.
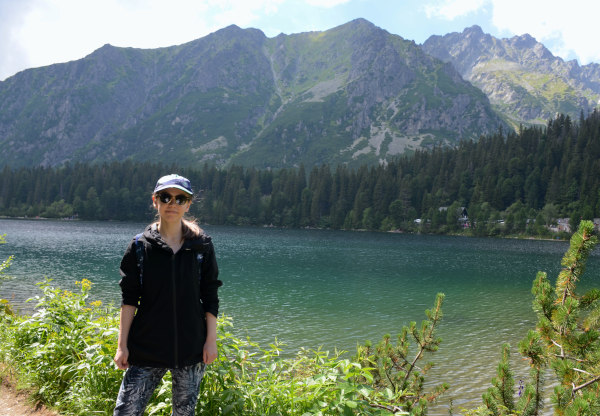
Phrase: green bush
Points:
(4, 304)
(566, 340)
(64, 352)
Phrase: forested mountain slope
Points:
(536, 174)
(353, 94)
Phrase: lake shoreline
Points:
(358, 230)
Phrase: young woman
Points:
(169, 305)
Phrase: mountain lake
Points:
(329, 289)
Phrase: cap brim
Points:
(167, 186)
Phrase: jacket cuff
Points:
(130, 301)
(212, 309)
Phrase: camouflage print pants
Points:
(140, 382)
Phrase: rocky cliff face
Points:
(357, 94)
(523, 80)
(353, 94)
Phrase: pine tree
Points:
(566, 339)
(398, 369)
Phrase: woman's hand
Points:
(122, 355)
(210, 353)
(121, 358)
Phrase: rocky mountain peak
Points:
(521, 77)
(358, 23)
(234, 31)
(473, 31)
(525, 41)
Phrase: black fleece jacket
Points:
(172, 298)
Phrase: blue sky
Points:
(41, 32)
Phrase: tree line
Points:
(505, 183)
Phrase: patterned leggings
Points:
(140, 382)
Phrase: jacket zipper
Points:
(175, 340)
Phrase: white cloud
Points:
(326, 3)
(451, 9)
(12, 55)
(241, 12)
(52, 31)
(41, 32)
(567, 29)
(61, 30)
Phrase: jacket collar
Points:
(152, 235)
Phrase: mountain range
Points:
(354, 94)
(525, 83)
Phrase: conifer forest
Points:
(508, 183)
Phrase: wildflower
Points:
(85, 284)
(521, 387)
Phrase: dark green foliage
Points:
(502, 392)
(566, 340)
(517, 184)
(4, 264)
(64, 351)
(397, 367)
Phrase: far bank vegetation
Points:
(535, 182)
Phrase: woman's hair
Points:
(191, 229)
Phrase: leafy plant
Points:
(6, 263)
(64, 352)
(4, 304)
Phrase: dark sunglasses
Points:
(166, 198)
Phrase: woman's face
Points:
(171, 211)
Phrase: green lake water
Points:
(311, 288)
